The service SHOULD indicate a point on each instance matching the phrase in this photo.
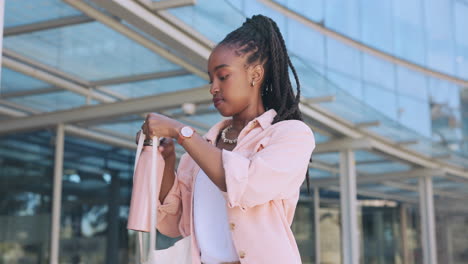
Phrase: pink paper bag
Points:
(139, 217)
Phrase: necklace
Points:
(226, 140)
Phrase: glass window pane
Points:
(158, 86)
(26, 173)
(382, 99)
(214, 19)
(378, 72)
(91, 51)
(451, 219)
(411, 83)
(343, 58)
(415, 114)
(409, 30)
(51, 101)
(305, 43)
(439, 35)
(461, 38)
(13, 81)
(311, 9)
(377, 24)
(343, 16)
(20, 12)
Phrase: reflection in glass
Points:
(26, 171)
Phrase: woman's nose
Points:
(214, 89)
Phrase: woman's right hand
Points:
(167, 149)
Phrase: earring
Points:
(253, 83)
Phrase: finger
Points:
(147, 130)
(145, 126)
(137, 136)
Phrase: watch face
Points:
(186, 131)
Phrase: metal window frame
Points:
(46, 25)
(361, 46)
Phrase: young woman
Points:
(237, 187)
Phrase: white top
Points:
(211, 222)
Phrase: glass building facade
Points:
(385, 90)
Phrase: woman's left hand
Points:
(160, 126)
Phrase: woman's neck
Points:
(240, 120)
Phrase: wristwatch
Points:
(148, 142)
(185, 133)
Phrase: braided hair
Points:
(260, 38)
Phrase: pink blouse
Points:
(264, 173)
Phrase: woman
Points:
(236, 188)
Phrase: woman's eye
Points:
(222, 78)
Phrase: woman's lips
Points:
(217, 101)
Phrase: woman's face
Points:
(230, 80)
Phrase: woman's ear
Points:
(257, 74)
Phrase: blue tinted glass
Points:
(13, 81)
(255, 7)
(385, 167)
(315, 173)
(127, 128)
(152, 87)
(320, 138)
(91, 51)
(26, 173)
(378, 72)
(343, 58)
(313, 10)
(313, 84)
(351, 85)
(379, 188)
(409, 30)
(439, 35)
(446, 184)
(415, 114)
(328, 158)
(20, 12)
(376, 21)
(214, 19)
(307, 44)
(363, 156)
(343, 16)
(51, 101)
(383, 100)
(429, 148)
(443, 92)
(411, 83)
(461, 38)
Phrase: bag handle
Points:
(153, 202)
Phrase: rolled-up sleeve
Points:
(170, 211)
(275, 172)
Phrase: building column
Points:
(57, 195)
(403, 236)
(112, 246)
(2, 25)
(426, 207)
(317, 223)
(348, 201)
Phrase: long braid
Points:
(261, 39)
